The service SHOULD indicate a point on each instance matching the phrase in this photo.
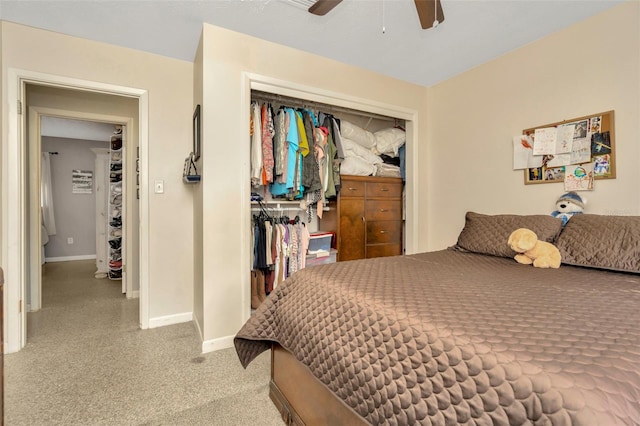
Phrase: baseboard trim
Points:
(170, 319)
(69, 258)
(217, 344)
(134, 294)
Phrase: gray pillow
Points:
(489, 234)
(607, 242)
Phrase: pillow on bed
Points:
(489, 234)
(607, 242)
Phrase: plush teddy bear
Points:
(542, 254)
(567, 205)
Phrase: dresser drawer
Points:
(383, 210)
(384, 232)
(384, 250)
(384, 189)
(351, 188)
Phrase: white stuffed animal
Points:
(567, 205)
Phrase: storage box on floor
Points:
(320, 251)
(321, 258)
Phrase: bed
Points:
(464, 335)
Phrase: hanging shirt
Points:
(267, 144)
(331, 154)
(310, 171)
(304, 238)
(279, 142)
(267, 246)
(292, 143)
(302, 135)
(256, 145)
(293, 247)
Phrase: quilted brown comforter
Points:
(461, 338)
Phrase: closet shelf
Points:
(275, 98)
(276, 205)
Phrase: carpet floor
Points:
(86, 362)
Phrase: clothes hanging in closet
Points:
(279, 248)
(294, 155)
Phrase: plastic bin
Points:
(320, 242)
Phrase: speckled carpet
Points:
(87, 363)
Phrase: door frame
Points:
(34, 246)
(15, 192)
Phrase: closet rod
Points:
(257, 95)
(276, 209)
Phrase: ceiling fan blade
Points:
(427, 12)
(322, 7)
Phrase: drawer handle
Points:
(384, 210)
(383, 232)
(352, 189)
(384, 189)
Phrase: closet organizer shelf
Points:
(115, 206)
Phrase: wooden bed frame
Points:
(301, 398)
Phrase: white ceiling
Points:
(76, 129)
(474, 31)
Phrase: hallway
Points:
(86, 362)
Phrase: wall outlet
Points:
(70, 240)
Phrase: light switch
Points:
(159, 186)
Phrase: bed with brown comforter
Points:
(460, 337)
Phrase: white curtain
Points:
(46, 194)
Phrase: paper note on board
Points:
(544, 141)
(564, 138)
(523, 157)
(579, 177)
(559, 160)
(581, 151)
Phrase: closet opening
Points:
(348, 185)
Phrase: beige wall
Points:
(591, 67)
(226, 56)
(198, 302)
(169, 83)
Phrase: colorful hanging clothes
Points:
(256, 145)
(292, 145)
(268, 131)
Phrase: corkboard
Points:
(602, 148)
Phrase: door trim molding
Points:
(34, 254)
(14, 193)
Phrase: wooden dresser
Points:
(366, 217)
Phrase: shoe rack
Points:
(115, 205)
